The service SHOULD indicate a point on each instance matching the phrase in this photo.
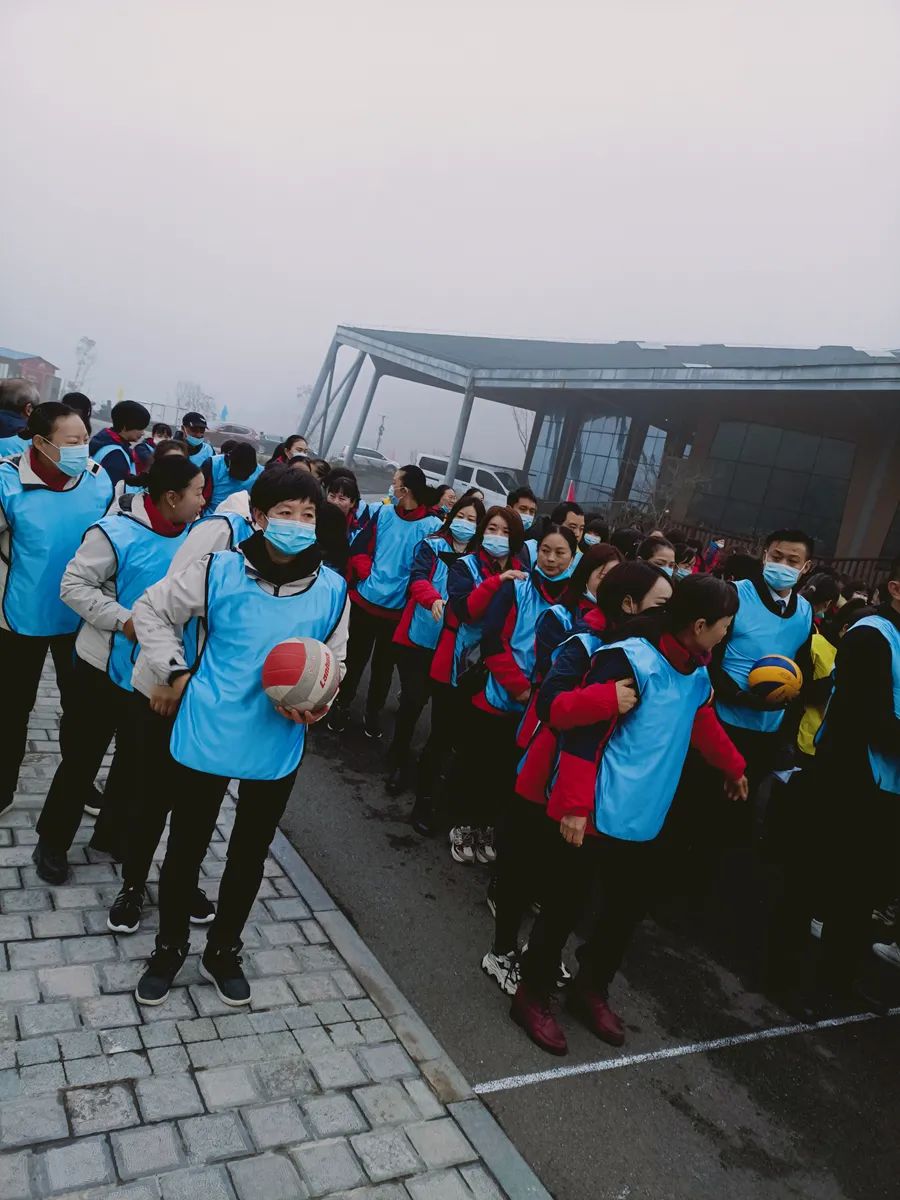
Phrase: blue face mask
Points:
(290, 537)
(590, 596)
(566, 574)
(779, 576)
(682, 572)
(193, 441)
(668, 571)
(496, 544)
(527, 520)
(392, 496)
(462, 530)
(591, 539)
(72, 459)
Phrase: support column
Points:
(361, 420)
(332, 395)
(536, 426)
(631, 457)
(324, 374)
(340, 403)
(460, 436)
(572, 423)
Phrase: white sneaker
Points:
(462, 844)
(889, 952)
(91, 810)
(815, 928)
(484, 845)
(504, 970)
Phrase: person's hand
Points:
(626, 695)
(524, 697)
(737, 789)
(775, 702)
(128, 630)
(572, 829)
(303, 718)
(512, 574)
(437, 610)
(165, 698)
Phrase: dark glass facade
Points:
(597, 460)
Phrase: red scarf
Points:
(46, 471)
(159, 523)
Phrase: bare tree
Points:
(190, 397)
(666, 486)
(523, 419)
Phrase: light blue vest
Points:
(641, 764)
(467, 635)
(114, 448)
(396, 542)
(758, 632)
(45, 529)
(226, 724)
(142, 558)
(13, 445)
(529, 606)
(199, 455)
(424, 630)
(886, 766)
(241, 529)
(223, 485)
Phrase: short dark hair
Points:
(168, 445)
(701, 597)
(894, 571)
(241, 460)
(626, 540)
(170, 473)
(80, 402)
(564, 532)
(561, 511)
(650, 545)
(513, 524)
(520, 493)
(414, 479)
(591, 559)
(597, 526)
(128, 414)
(161, 429)
(456, 509)
(791, 535)
(739, 566)
(43, 417)
(341, 482)
(821, 589)
(281, 483)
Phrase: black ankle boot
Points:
(424, 816)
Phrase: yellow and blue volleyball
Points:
(776, 678)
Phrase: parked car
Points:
(496, 482)
(234, 433)
(364, 457)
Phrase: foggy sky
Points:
(208, 187)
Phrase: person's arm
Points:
(362, 552)
(205, 538)
(117, 464)
(82, 583)
(864, 672)
(548, 635)
(713, 743)
(568, 699)
(163, 610)
(727, 689)
(337, 643)
(468, 601)
(496, 644)
(421, 587)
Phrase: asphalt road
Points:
(815, 1115)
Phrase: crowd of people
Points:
(587, 693)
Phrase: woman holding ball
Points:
(272, 588)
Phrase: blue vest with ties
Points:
(529, 606)
(641, 763)
(468, 635)
(45, 530)
(13, 445)
(241, 529)
(756, 633)
(396, 542)
(142, 558)
(223, 485)
(200, 454)
(424, 630)
(226, 724)
(114, 448)
(885, 765)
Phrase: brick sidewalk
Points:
(321, 1087)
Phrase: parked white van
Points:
(496, 482)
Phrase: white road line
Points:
(631, 1060)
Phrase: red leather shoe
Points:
(536, 1017)
(593, 1009)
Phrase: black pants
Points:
(413, 664)
(97, 710)
(523, 835)
(370, 637)
(446, 710)
(151, 790)
(623, 870)
(23, 662)
(196, 800)
(484, 768)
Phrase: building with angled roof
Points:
(19, 364)
(758, 436)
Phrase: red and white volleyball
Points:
(301, 673)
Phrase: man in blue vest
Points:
(113, 448)
(773, 618)
(193, 431)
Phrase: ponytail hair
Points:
(172, 473)
(241, 459)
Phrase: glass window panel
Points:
(761, 444)
(749, 482)
(786, 489)
(770, 517)
(738, 516)
(834, 458)
(717, 477)
(706, 509)
(824, 497)
(891, 547)
(728, 440)
(797, 451)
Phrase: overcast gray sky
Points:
(207, 187)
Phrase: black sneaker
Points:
(125, 914)
(202, 910)
(52, 865)
(372, 727)
(223, 970)
(156, 982)
(423, 816)
(336, 720)
(397, 781)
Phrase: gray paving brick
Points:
(37, 1050)
(227, 1087)
(88, 1070)
(330, 1012)
(481, 1185)
(38, 1019)
(115, 1041)
(7, 1055)
(100, 1109)
(120, 977)
(10, 1084)
(387, 1061)
(289, 909)
(9, 877)
(282, 933)
(362, 1010)
(163, 1033)
(244, 1049)
(28, 900)
(68, 982)
(43, 1077)
(137, 945)
(334, 1116)
(214, 1138)
(440, 1143)
(94, 873)
(444, 1185)
(299, 1017)
(91, 949)
(14, 1176)
(178, 1007)
(328, 1167)
(336, 1069)
(75, 897)
(25, 1122)
(284, 1077)
(347, 1033)
(166, 1060)
(57, 924)
(269, 1176)
(197, 1183)
(274, 1125)
(312, 988)
(267, 1022)
(80, 1044)
(236, 1025)
(85, 1163)
(314, 1041)
(385, 1104)
(280, 961)
(128, 1066)
(312, 931)
(18, 987)
(108, 1012)
(423, 1098)
(146, 1151)
(386, 1154)
(350, 986)
(209, 1054)
(270, 993)
(207, 1003)
(166, 1097)
(376, 1031)
(319, 958)
(200, 1030)
(23, 956)
(278, 1045)
(15, 856)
